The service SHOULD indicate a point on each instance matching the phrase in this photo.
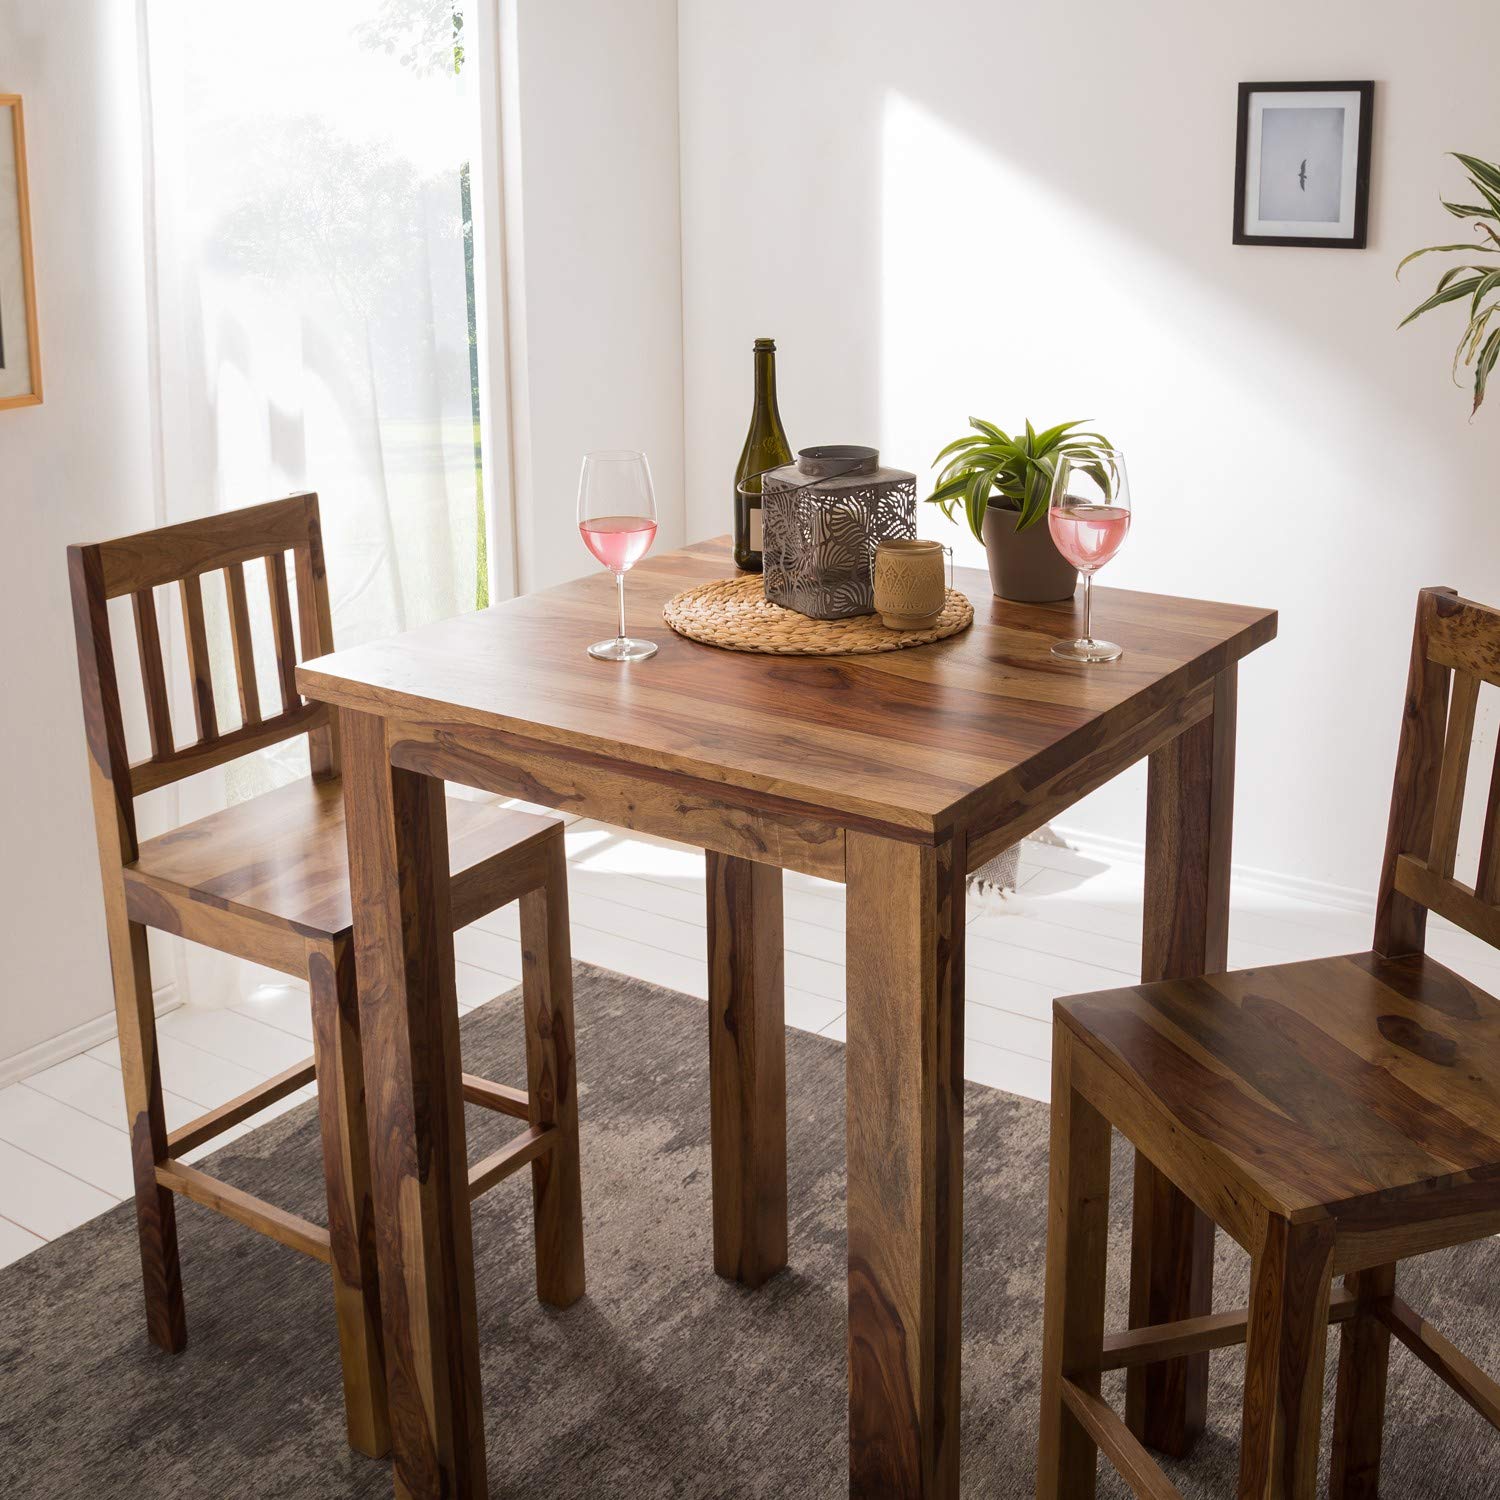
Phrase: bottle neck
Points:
(765, 381)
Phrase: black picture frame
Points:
(1365, 88)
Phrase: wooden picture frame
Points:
(20, 346)
(1296, 137)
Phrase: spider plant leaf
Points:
(945, 493)
(1487, 358)
(975, 503)
(1473, 337)
(1030, 438)
(1046, 441)
(1445, 293)
(1464, 210)
(1489, 282)
(1482, 173)
(957, 446)
(964, 465)
(1484, 179)
(1406, 260)
(989, 430)
(1100, 475)
(1446, 278)
(1038, 489)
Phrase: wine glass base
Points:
(1085, 649)
(622, 648)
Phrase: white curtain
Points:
(306, 215)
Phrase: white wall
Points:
(1025, 211)
(76, 468)
(589, 103)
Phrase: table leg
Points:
(747, 1068)
(1189, 815)
(403, 936)
(905, 1074)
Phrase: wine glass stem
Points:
(1088, 606)
(620, 587)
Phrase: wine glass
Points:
(1088, 515)
(617, 521)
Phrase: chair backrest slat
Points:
(1455, 648)
(281, 629)
(315, 626)
(153, 671)
(1462, 701)
(242, 642)
(1487, 881)
(183, 555)
(195, 634)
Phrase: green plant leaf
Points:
(1482, 173)
(1487, 359)
(1046, 441)
(1464, 210)
(1450, 292)
(1488, 283)
(945, 493)
(1406, 260)
(1030, 438)
(956, 446)
(975, 504)
(989, 430)
(1473, 336)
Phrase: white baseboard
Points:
(1325, 892)
(70, 1043)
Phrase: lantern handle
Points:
(852, 465)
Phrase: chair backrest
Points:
(1455, 648)
(137, 566)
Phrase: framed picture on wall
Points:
(20, 355)
(1302, 164)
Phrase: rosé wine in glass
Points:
(617, 521)
(1088, 515)
(1089, 535)
(619, 542)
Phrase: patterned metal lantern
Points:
(823, 518)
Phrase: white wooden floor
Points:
(638, 907)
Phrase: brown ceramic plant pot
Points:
(1026, 566)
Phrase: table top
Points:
(912, 738)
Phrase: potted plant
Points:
(1480, 284)
(1003, 484)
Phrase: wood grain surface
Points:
(268, 880)
(853, 737)
(894, 773)
(1335, 1115)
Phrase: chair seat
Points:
(281, 859)
(1313, 1086)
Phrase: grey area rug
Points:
(664, 1380)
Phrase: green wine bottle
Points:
(766, 447)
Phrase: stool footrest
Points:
(1223, 1330)
(511, 1157)
(1442, 1358)
(497, 1096)
(241, 1107)
(286, 1228)
(1113, 1438)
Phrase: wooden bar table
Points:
(895, 773)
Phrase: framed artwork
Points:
(20, 354)
(1302, 164)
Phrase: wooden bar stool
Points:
(1334, 1116)
(268, 880)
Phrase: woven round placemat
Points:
(735, 614)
